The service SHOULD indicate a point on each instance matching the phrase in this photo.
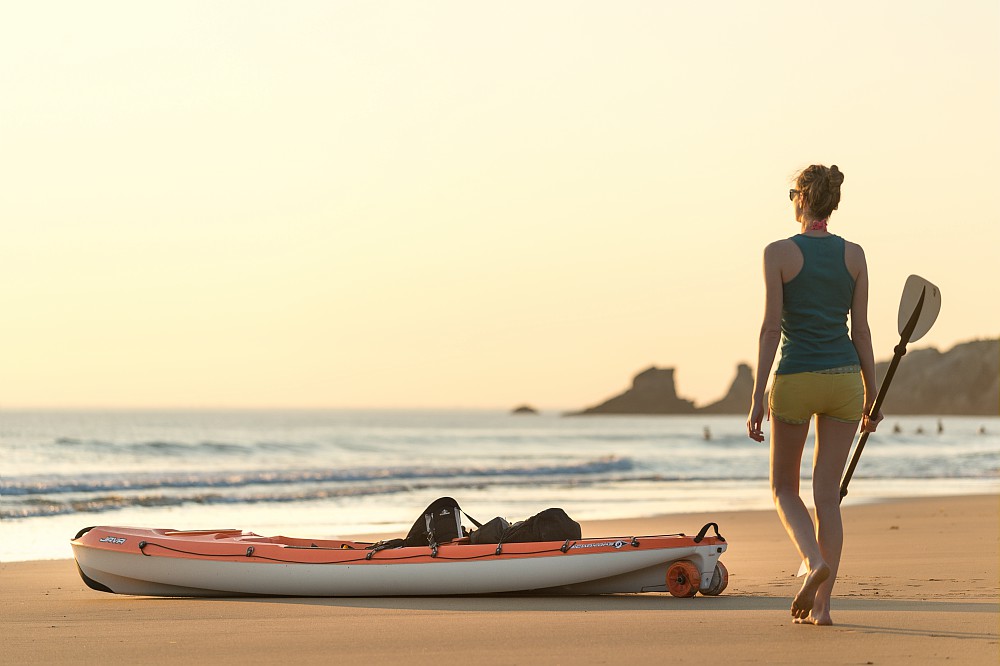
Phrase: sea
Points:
(322, 474)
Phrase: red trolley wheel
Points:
(683, 578)
(720, 580)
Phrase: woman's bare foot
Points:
(819, 619)
(802, 605)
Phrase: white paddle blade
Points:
(915, 285)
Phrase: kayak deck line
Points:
(388, 556)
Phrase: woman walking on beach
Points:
(812, 281)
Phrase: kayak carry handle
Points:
(704, 530)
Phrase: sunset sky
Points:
(458, 204)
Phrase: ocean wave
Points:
(169, 448)
(32, 497)
(35, 507)
(54, 485)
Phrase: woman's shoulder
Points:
(854, 258)
(783, 258)
(782, 248)
(853, 249)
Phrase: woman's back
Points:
(816, 302)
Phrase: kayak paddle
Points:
(918, 310)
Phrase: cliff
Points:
(652, 392)
(737, 399)
(963, 380)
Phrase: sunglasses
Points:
(792, 194)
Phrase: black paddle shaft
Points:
(898, 352)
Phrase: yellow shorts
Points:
(836, 395)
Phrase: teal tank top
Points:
(816, 303)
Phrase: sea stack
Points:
(653, 392)
(737, 399)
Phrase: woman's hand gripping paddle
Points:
(918, 310)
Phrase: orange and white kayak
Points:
(178, 563)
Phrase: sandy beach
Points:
(919, 584)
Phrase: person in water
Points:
(813, 280)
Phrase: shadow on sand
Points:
(517, 603)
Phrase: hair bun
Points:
(836, 177)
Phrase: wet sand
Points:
(920, 583)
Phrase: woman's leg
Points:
(787, 442)
(833, 444)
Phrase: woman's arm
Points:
(770, 336)
(861, 336)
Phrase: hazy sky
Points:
(460, 204)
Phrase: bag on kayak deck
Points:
(549, 525)
(440, 522)
(491, 532)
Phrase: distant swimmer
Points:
(982, 430)
(896, 429)
(940, 427)
(707, 434)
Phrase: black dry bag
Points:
(549, 525)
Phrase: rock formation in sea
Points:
(963, 380)
(524, 409)
(652, 392)
(737, 399)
